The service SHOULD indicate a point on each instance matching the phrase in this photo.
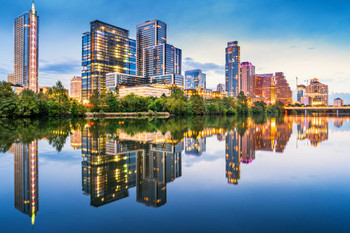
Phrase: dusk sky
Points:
(305, 39)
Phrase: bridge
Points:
(319, 109)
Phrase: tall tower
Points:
(26, 50)
(247, 78)
(232, 68)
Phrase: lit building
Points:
(284, 93)
(145, 91)
(301, 92)
(26, 178)
(232, 68)
(195, 79)
(206, 93)
(154, 56)
(45, 90)
(264, 87)
(116, 80)
(220, 88)
(75, 88)
(26, 51)
(338, 102)
(106, 49)
(233, 159)
(247, 80)
(318, 92)
(75, 139)
(169, 79)
(195, 146)
(305, 100)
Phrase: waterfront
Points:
(175, 175)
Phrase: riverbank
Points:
(114, 115)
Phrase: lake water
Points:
(175, 175)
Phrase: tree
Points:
(242, 104)
(28, 104)
(176, 103)
(111, 102)
(197, 104)
(59, 101)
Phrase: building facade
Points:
(284, 93)
(318, 92)
(75, 88)
(26, 51)
(220, 88)
(301, 91)
(145, 91)
(195, 79)
(106, 49)
(116, 80)
(232, 68)
(155, 56)
(247, 80)
(338, 102)
(169, 79)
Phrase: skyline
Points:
(294, 47)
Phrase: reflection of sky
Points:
(304, 189)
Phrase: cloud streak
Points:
(190, 63)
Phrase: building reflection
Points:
(112, 164)
(313, 129)
(26, 178)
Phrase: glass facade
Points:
(195, 79)
(105, 49)
(247, 82)
(232, 69)
(26, 51)
(176, 79)
(148, 34)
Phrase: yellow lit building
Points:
(145, 91)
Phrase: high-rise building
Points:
(26, 50)
(301, 92)
(26, 178)
(283, 91)
(75, 88)
(195, 79)
(220, 88)
(318, 92)
(154, 56)
(247, 80)
(264, 86)
(233, 158)
(148, 34)
(106, 49)
(232, 68)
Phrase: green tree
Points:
(197, 104)
(242, 104)
(28, 104)
(177, 102)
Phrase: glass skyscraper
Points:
(106, 49)
(195, 79)
(247, 79)
(26, 50)
(232, 68)
(154, 56)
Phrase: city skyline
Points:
(304, 46)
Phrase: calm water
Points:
(176, 175)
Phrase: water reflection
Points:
(146, 154)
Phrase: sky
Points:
(302, 38)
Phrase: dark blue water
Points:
(221, 175)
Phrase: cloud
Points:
(312, 48)
(64, 67)
(293, 46)
(190, 63)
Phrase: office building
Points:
(338, 102)
(169, 79)
(318, 92)
(301, 91)
(220, 88)
(117, 80)
(106, 49)
(195, 79)
(283, 91)
(26, 51)
(75, 88)
(154, 90)
(247, 80)
(232, 68)
(155, 57)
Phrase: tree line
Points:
(56, 103)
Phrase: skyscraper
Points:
(232, 68)
(154, 56)
(283, 91)
(75, 88)
(106, 49)
(148, 34)
(26, 50)
(195, 79)
(247, 80)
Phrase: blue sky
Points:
(304, 39)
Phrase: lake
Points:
(175, 175)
